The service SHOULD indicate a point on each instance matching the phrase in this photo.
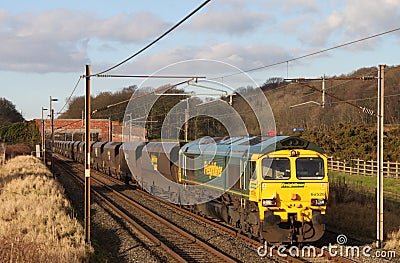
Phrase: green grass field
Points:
(391, 186)
(355, 194)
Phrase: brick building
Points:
(74, 130)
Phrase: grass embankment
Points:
(352, 207)
(36, 223)
(391, 185)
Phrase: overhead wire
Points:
(157, 39)
(247, 97)
(138, 52)
(100, 74)
(313, 53)
(139, 96)
(70, 96)
(342, 83)
(253, 69)
(369, 98)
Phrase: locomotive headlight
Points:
(269, 202)
(317, 202)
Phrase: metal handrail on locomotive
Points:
(280, 190)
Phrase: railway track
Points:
(180, 245)
(177, 242)
(324, 255)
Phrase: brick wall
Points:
(74, 129)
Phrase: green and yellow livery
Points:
(275, 188)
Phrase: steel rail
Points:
(123, 215)
(149, 235)
(226, 229)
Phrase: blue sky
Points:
(45, 45)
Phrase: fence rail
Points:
(362, 167)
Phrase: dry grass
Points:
(35, 222)
(354, 213)
(22, 166)
(360, 221)
(393, 241)
(13, 150)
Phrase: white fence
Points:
(362, 167)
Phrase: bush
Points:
(25, 132)
(348, 142)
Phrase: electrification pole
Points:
(43, 138)
(52, 132)
(87, 156)
(109, 129)
(187, 120)
(323, 92)
(379, 192)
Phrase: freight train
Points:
(274, 188)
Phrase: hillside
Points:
(282, 95)
(342, 129)
(346, 141)
(77, 105)
(311, 116)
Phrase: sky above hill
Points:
(45, 45)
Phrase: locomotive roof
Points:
(238, 146)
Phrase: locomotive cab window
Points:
(252, 170)
(309, 168)
(276, 168)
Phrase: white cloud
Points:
(291, 26)
(366, 17)
(321, 32)
(243, 57)
(233, 22)
(32, 55)
(298, 7)
(57, 40)
(134, 27)
(356, 19)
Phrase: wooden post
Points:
(365, 167)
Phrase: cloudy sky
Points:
(45, 45)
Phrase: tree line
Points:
(341, 129)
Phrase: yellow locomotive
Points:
(279, 185)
